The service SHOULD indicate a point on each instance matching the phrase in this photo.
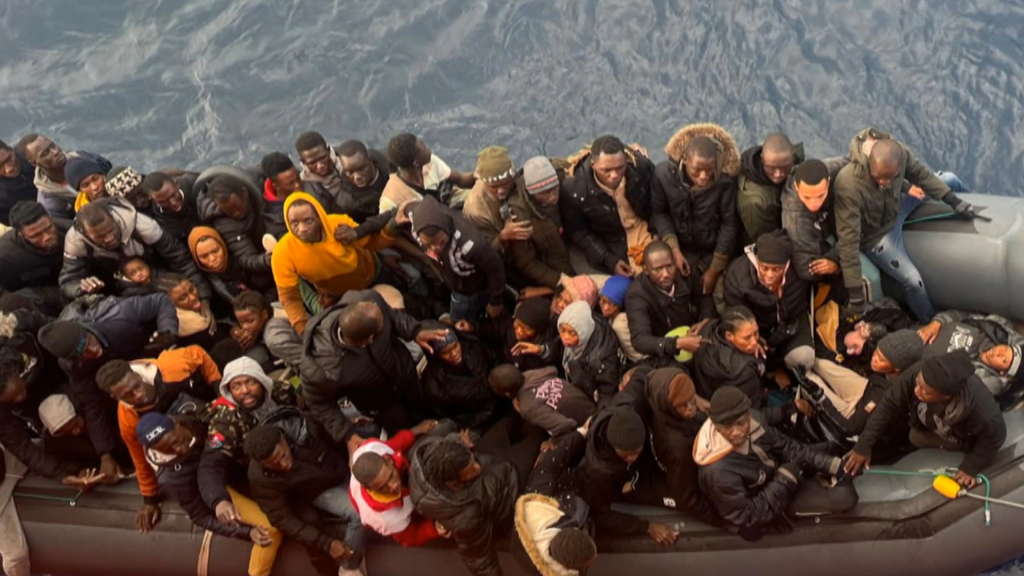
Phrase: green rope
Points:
(988, 494)
(947, 472)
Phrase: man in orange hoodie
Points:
(178, 381)
(327, 251)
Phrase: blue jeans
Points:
(890, 255)
(468, 307)
(953, 181)
(336, 501)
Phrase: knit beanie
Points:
(581, 318)
(774, 248)
(534, 312)
(78, 167)
(56, 411)
(902, 348)
(122, 180)
(728, 404)
(539, 175)
(580, 287)
(64, 339)
(493, 164)
(681, 390)
(441, 343)
(625, 430)
(24, 213)
(948, 373)
(615, 289)
(152, 427)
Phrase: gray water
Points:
(196, 82)
(191, 83)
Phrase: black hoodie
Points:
(14, 190)
(461, 393)
(598, 367)
(469, 265)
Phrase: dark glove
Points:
(790, 471)
(858, 303)
(163, 341)
(965, 210)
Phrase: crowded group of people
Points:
(344, 341)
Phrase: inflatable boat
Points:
(900, 527)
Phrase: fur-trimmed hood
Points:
(536, 518)
(729, 154)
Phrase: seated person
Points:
(659, 301)
(552, 522)
(666, 399)
(850, 341)
(32, 253)
(15, 181)
(732, 355)
(292, 479)
(379, 488)
(420, 173)
(924, 395)
(528, 338)
(227, 278)
(693, 201)
(809, 218)
(542, 398)
(616, 457)
(252, 313)
(752, 473)
(592, 360)
(349, 181)
(764, 169)
(65, 436)
(49, 160)
(543, 258)
(125, 182)
(574, 289)
(991, 341)
(611, 302)
(468, 498)
(196, 324)
(766, 283)
(487, 202)
(846, 398)
(88, 177)
(455, 381)
(470, 268)
(282, 180)
(606, 205)
(311, 251)
(106, 233)
(179, 381)
(135, 277)
(871, 208)
(174, 448)
(173, 203)
(235, 210)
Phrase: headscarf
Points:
(580, 317)
(200, 233)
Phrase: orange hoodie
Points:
(175, 367)
(332, 267)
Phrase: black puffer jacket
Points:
(461, 393)
(653, 313)
(179, 479)
(748, 490)
(701, 222)
(591, 218)
(777, 318)
(672, 438)
(601, 475)
(17, 189)
(179, 224)
(810, 231)
(141, 237)
(472, 514)
(717, 363)
(244, 237)
(373, 377)
(318, 465)
(597, 369)
(25, 266)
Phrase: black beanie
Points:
(902, 348)
(63, 339)
(774, 248)
(728, 403)
(24, 213)
(948, 373)
(535, 313)
(626, 430)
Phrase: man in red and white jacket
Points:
(380, 492)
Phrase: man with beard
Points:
(31, 254)
(49, 160)
(659, 301)
(763, 172)
(15, 181)
(156, 386)
(487, 202)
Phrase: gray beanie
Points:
(902, 348)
